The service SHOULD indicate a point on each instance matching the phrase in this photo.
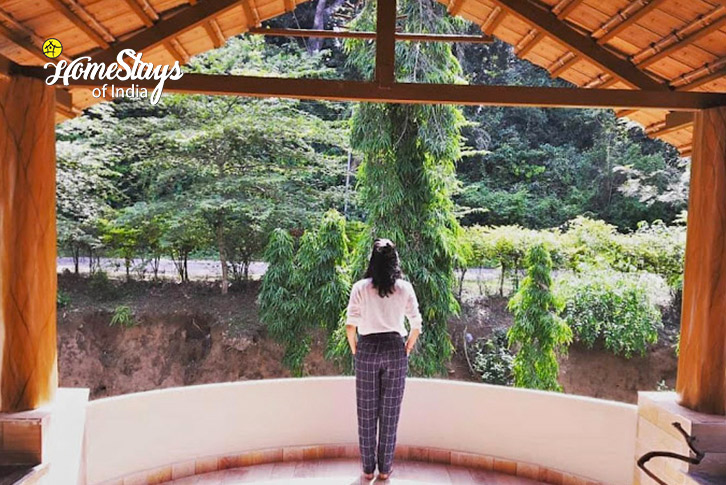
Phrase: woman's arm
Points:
(350, 331)
(412, 338)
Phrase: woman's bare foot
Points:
(384, 476)
(368, 476)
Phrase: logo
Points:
(52, 48)
(147, 75)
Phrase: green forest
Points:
(582, 214)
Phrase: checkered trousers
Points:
(381, 364)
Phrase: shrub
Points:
(492, 360)
(621, 309)
(538, 332)
(62, 299)
(101, 286)
(123, 316)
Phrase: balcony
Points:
(304, 431)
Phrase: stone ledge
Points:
(657, 411)
(175, 471)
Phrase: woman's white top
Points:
(371, 313)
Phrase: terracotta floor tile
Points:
(347, 472)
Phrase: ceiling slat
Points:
(624, 19)
(583, 45)
(79, 22)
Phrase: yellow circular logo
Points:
(52, 48)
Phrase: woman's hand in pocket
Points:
(411, 342)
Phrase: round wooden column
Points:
(28, 377)
(702, 363)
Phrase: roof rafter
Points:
(495, 18)
(215, 33)
(96, 33)
(567, 9)
(185, 19)
(703, 75)
(677, 41)
(23, 38)
(585, 46)
(143, 11)
(534, 39)
(250, 13)
(563, 64)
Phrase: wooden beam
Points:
(623, 113)
(415, 93)
(215, 33)
(290, 5)
(5, 65)
(701, 382)
(28, 371)
(23, 37)
(455, 7)
(79, 22)
(253, 20)
(493, 21)
(146, 13)
(564, 65)
(675, 121)
(689, 39)
(608, 31)
(531, 44)
(386, 42)
(586, 47)
(177, 50)
(697, 83)
(186, 19)
(348, 34)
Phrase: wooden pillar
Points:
(28, 376)
(702, 363)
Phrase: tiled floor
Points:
(347, 472)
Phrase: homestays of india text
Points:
(122, 70)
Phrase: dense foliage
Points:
(305, 289)
(492, 361)
(538, 333)
(619, 310)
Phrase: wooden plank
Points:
(627, 21)
(493, 21)
(675, 121)
(685, 41)
(701, 382)
(215, 33)
(22, 42)
(416, 93)
(697, 83)
(79, 22)
(290, 5)
(186, 19)
(177, 50)
(386, 42)
(583, 45)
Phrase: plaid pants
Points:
(381, 364)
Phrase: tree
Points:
(277, 298)
(407, 175)
(538, 332)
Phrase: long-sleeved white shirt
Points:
(373, 314)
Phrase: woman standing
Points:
(378, 305)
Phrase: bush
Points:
(62, 299)
(123, 316)
(102, 287)
(492, 360)
(621, 309)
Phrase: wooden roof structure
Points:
(650, 45)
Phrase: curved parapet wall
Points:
(133, 433)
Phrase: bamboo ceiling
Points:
(619, 44)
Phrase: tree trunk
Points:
(222, 255)
(315, 44)
(76, 257)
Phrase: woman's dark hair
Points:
(383, 267)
